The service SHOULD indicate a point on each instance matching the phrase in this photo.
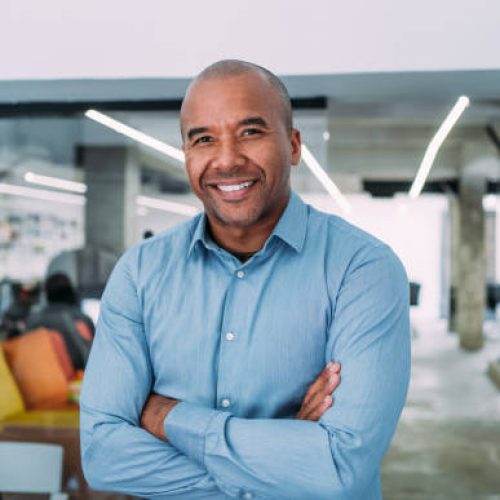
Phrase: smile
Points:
(229, 188)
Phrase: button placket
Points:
(229, 351)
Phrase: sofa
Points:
(36, 381)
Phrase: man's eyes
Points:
(247, 132)
(203, 139)
(251, 131)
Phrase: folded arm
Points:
(116, 453)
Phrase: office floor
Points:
(447, 445)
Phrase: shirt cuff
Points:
(186, 428)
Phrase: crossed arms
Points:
(318, 398)
(210, 453)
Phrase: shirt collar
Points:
(291, 227)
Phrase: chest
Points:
(255, 336)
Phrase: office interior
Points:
(82, 179)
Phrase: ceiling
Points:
(379, 124)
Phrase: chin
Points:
(237, 220)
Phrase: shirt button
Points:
(230, 336)
(225, 403)
(247, 495)
(240, 274)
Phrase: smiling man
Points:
(220, 342)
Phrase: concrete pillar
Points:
(471, 286)
(112, 175)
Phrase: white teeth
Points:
(235, 187)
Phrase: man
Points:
(203, 379)
(62, 313)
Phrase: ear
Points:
(296, 143)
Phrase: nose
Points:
(227, 155)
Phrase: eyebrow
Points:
(195, 131)
(254, 120)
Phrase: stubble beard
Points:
(251, 216)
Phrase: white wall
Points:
(157, 38)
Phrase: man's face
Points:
(238, 149)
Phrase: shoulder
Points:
(340, 229)
(145, 262)
(157, 251)
(343, 241)
(349, 249)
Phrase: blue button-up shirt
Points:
(238, 345)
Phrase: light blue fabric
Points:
(319, 289)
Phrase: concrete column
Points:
(112, 175)
(470, 290)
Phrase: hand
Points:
(319, 397)
(155, 412)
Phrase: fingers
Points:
(314, 413)
(321, 400)
(326, 382)
(319, 395)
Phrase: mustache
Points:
(214, 178)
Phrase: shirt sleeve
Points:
(117, 454)
(339, 456)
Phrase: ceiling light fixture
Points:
(135, 134)
(76, 199)
(435, 144)
(45, 180)
(167, 206)
(325, 180)
(42, 194)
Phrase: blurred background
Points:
(376, 90)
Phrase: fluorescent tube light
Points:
(75, 199)
(167, 206)
(135, 134)
(45, 180)
(42, 194)
(323, 177)
(435, 144)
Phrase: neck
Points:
(247, 239)
(239, 239)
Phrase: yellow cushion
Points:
(60, 419)
(11, 401)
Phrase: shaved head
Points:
(232, 67)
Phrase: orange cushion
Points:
(39, 375)
(62, 354)
(11, 402)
